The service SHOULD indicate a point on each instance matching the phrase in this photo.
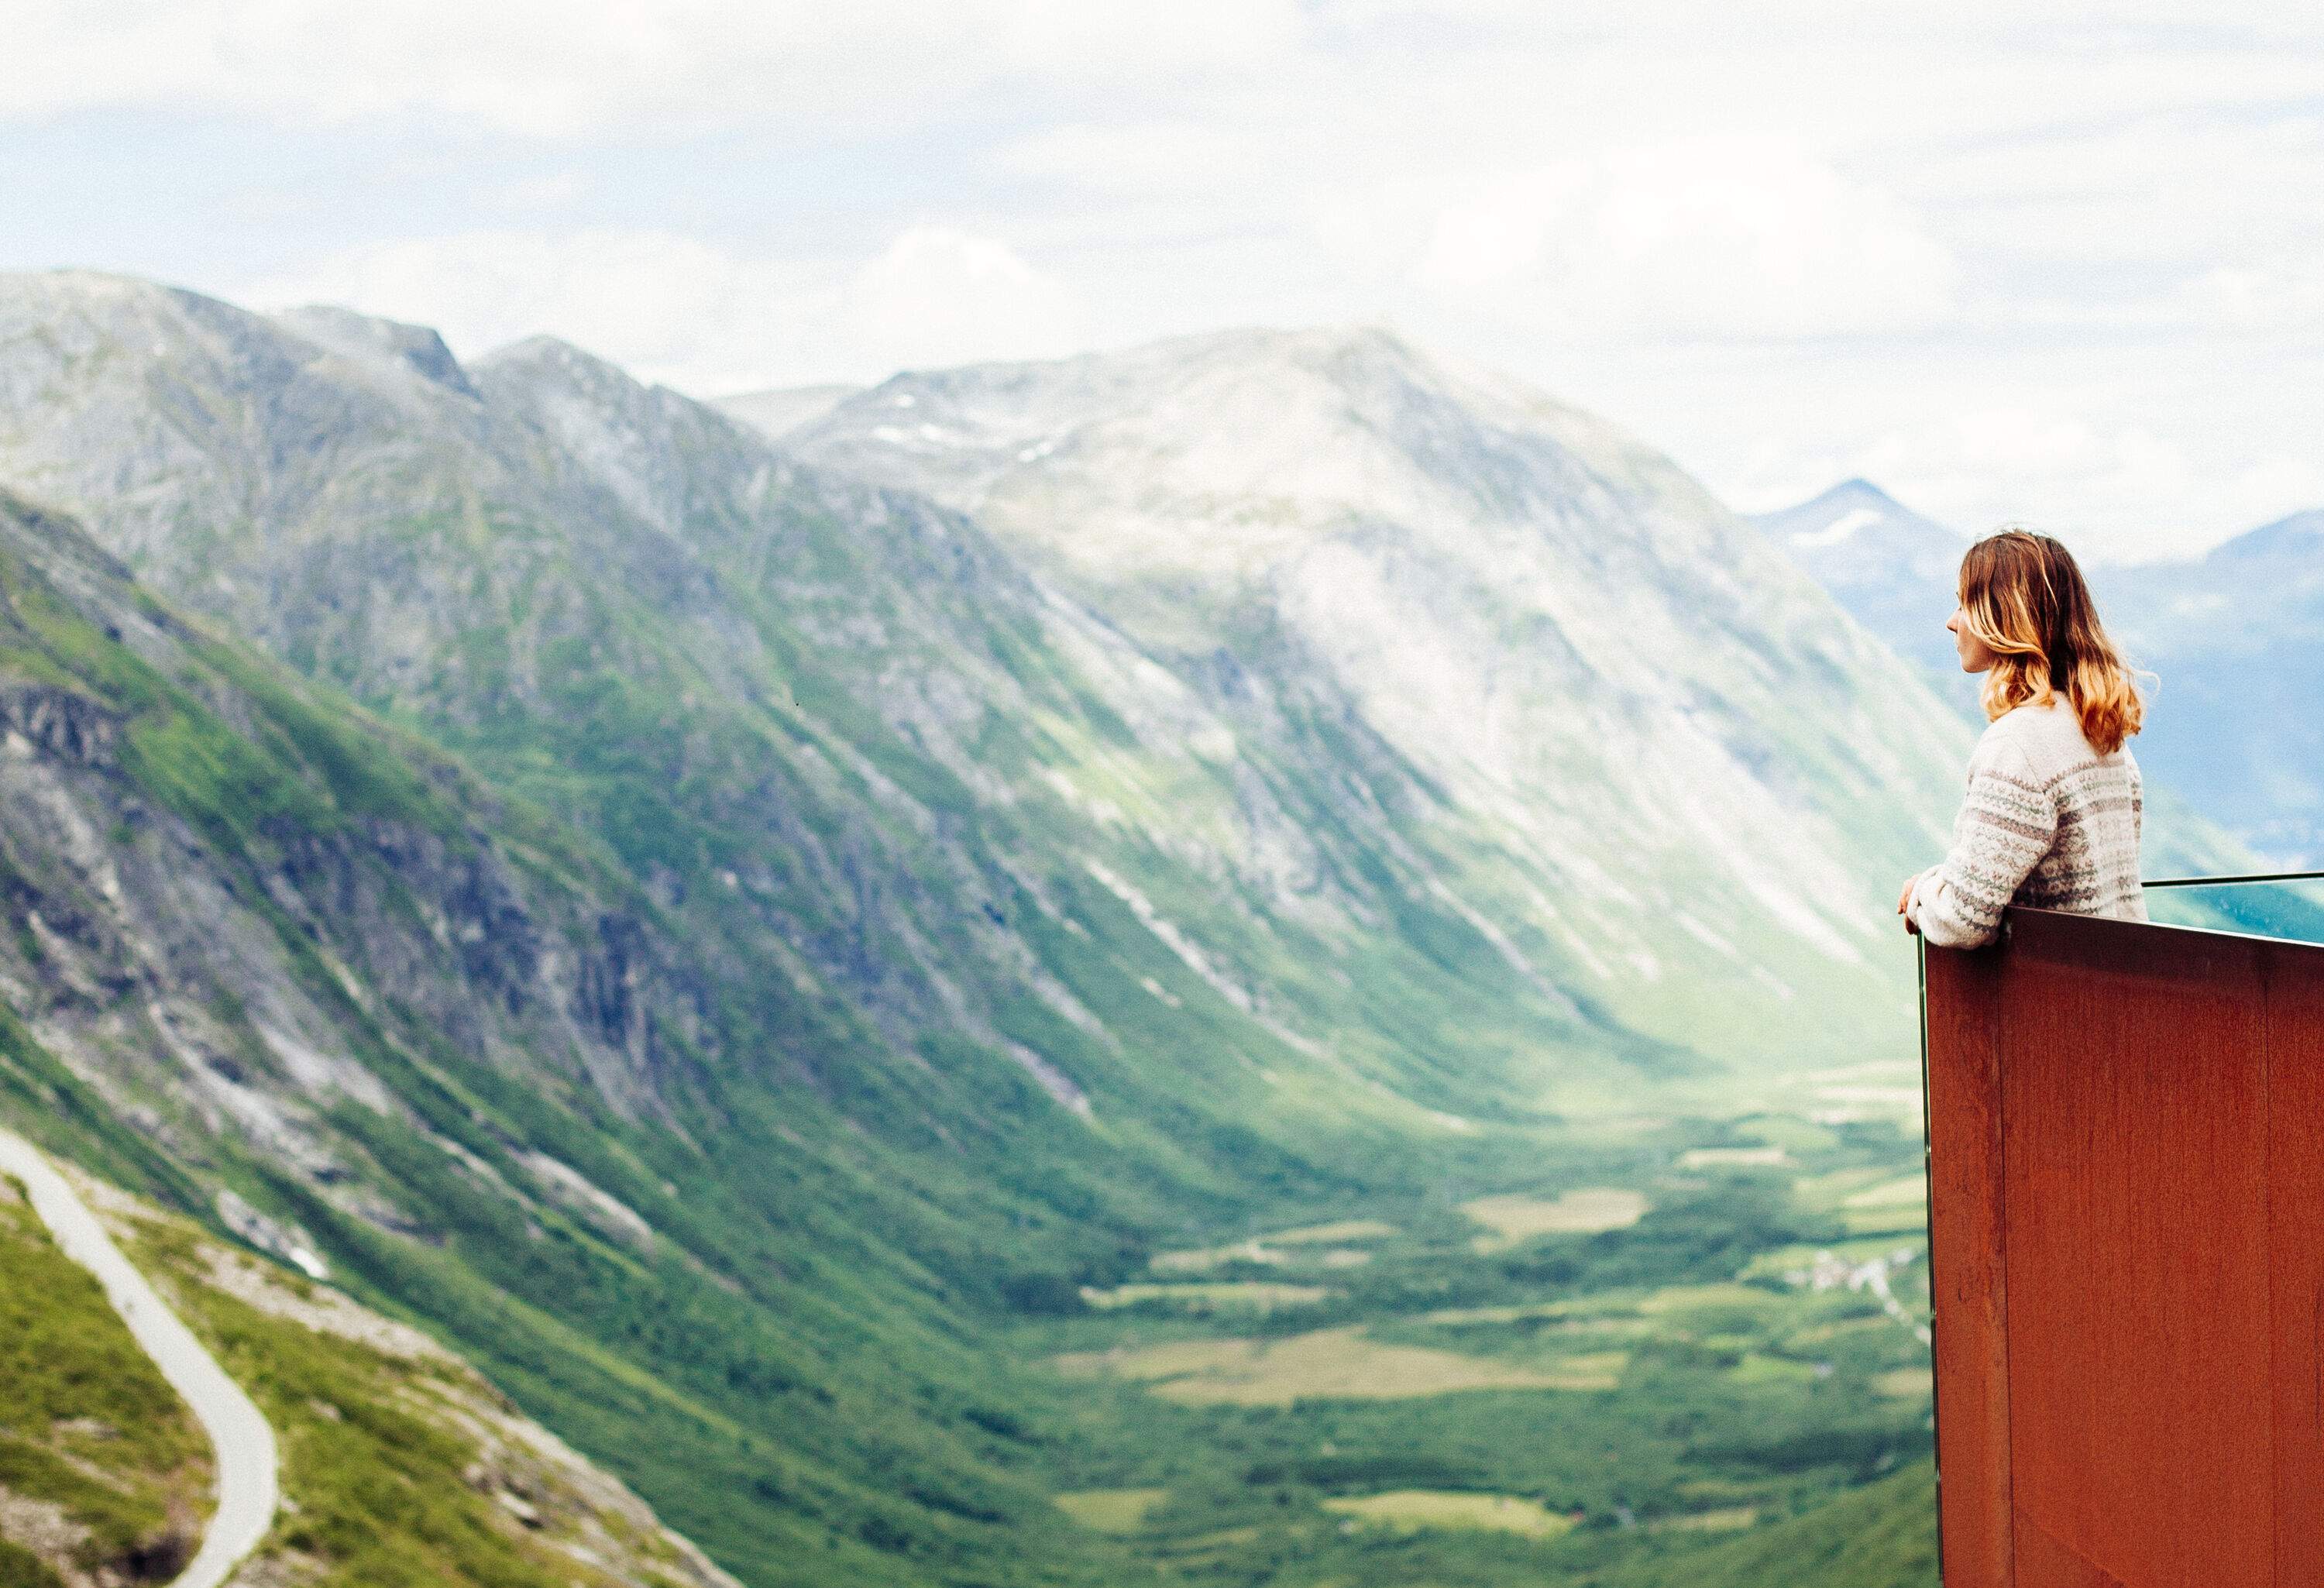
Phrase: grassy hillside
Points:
(1586, 1387)
(102, 1469)
(401, 1465)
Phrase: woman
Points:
(2052, 816)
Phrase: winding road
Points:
(248, 1468)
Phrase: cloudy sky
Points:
(2069, 271)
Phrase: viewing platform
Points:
(2126, 1137)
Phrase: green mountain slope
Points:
(234, 897)
(1881, 1536)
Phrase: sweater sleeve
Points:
(2007, 821)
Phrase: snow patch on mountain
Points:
(1838, 529)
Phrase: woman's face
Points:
(1976, 655)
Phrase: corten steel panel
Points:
(2124, 1124)
(2295, 1047)
(1967, 1281)
(2135, 1131)
(2041, 1559)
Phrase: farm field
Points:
(1514, 1220)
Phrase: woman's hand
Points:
(1904, 901)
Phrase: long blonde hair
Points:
(2022, 597)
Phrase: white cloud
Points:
(649, 300)
(2109, 481)
(2134, 494)
(1993, 464)
(557, 67)
(1748, 237)
(1179, 158)
(705, 319)
(2273, 298)
(936, 296)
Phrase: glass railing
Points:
(2288, 906)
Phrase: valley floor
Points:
(1697, 1355)
(1691, 1349)
(1695, 1343)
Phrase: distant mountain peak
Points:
(545, 352)
(1274, 341)
(777, 411)
(1838, 513)
(87, 283)
(1244, 439)
(1893, 568)
(2301, 532)
(590, 391)
(1856, 520)
(1357, 339)
(371, 339)
(1842, 525)
(1330, 351)
(552, 364)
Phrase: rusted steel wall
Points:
(2127, 1179)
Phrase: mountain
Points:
(2234, 641)
(880, 735)
(1662, 768)
(776, 413)
(1893, 568)
(721, 936)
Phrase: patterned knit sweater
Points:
(2048, 822)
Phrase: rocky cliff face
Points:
(228, 895)
(1662, 759)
